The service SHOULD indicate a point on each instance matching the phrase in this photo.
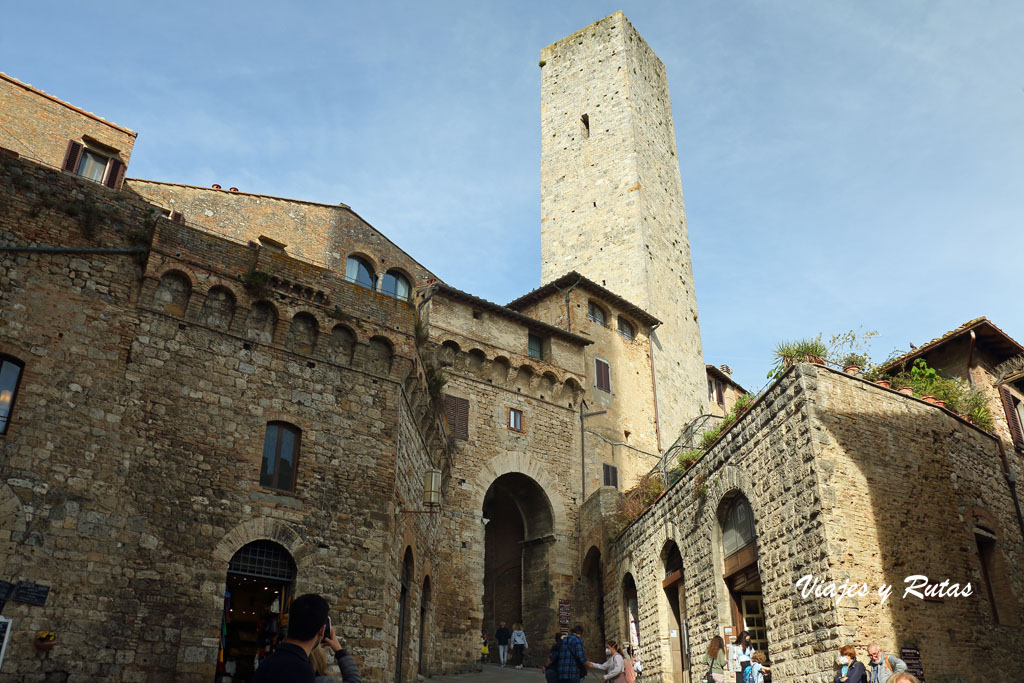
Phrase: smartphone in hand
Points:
(328, 632)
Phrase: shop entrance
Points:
(259, 588)
(678, 635)
(739, 547)
(518, 539)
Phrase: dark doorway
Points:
(258, 590)
(424, 615)
(591, 604)
(517, 569)
(631, 608)
(404, 627)
(678, 635)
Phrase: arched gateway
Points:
(519, 536)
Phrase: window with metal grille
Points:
(515, 419)
(280, 456)
(536, 344)
(602, 375)
(611, 476)
(456, 410)
(626, 329)
(596, 313)
(10, 378)
(264, 560)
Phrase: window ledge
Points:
(285, 498)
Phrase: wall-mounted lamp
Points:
(431, 494)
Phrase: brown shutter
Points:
(1016, 432)
(115, 169)
(177, 217)
(71, 157)
(457, 411)
(719, 392)
(603, 377)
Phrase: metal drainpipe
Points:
(568, 316)
(654, 386)
(1011, 481)
(76, 250)
(970, 357)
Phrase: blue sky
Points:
(844, 164)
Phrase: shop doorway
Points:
(678, 635)
(518, 538)
(258, 590)
(741, 574)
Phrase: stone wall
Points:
(611, 195)
(131, 465)
(846, 480)
(321, 234)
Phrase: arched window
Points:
(280, 456)
(738, 527)
(10, 377)
(626, 329)
(395, 284)
(360, 272)
(596, 313)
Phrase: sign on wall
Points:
(30, 593)
(5, 633)
(912, 657)
(564, 614)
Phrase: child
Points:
(484, 651)
(757, 667)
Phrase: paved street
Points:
(493, 673)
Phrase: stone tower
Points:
(612, 199)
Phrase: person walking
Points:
(572, 662)
(307, 622)
(519, 644)
(615, 665)
(740, 652)
(502, 635)
(716, 660)
(883, 666)
(851, 671)
(551, 667)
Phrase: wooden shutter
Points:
(720, 392)
(603, 376)
(177, 217)
(115, 169)
(456, 409)
(1012, 419)
(611, 476)
(72, 156)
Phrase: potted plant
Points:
(909, 391)
(787, 354)
(852, 363)
(45, 640)
(883, 383)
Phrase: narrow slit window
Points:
(585, 119)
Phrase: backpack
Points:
(748, 675)
(628, 671)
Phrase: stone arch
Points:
(737, 580)
(341, 344)
(631, 610)
(500, 369)
(265, 528)
(173, 293)
(590, 597)
(546, 385)
(302, 333)
(570, 392)
(518, 554)
(475, 360)
(218, 308)
(672, 616)
(524, 378)
(261, 321)
(449, 352)
(379, 354)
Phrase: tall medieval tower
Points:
(612, 199)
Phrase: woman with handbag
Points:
(615, 665)
(716, 661)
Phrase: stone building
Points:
(212, 401)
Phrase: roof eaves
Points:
(947, 337)
(43, 93)
(573, 276)
(511, 314)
